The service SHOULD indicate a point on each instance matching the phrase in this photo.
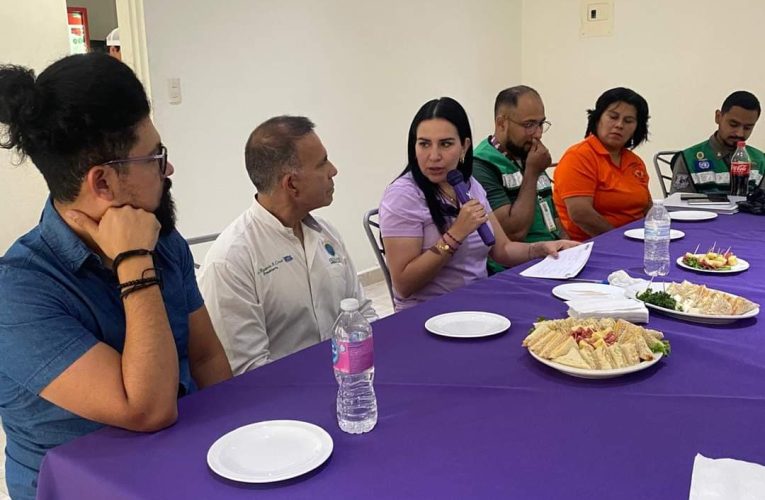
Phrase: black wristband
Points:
(145, 283)
(130, 253)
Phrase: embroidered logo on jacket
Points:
(333, 258)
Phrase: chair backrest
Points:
(372, 228)
(201, 239)
(662, 162)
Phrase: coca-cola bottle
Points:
(740, 166)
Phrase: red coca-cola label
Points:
(740, 168)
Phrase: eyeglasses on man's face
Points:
(160, 158)
(531, 126)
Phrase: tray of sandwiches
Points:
(695, 303)
(595, 348)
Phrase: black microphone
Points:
(460, 189)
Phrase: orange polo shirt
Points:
(619, 192)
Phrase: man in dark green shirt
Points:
(705, 167)
(511, 164)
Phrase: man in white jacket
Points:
(274, 278)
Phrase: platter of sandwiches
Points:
(695, 303)
(595, 348)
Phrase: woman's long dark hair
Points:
(450, 110)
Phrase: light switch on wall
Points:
(597, 18)
(174, 90)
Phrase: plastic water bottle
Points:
(353, 360)
(656, 236)
(740, 166)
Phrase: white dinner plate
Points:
(692, 215)
(467, 324)
(578, 291)
(742, 265)
(597, 374)
(707, 319)
(638, 234)
(270, 451)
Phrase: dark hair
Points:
(451, 111)
(270, 150)
(81, 111)
(620, 94)
(509, 97)
(742, 99)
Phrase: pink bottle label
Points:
(353, 357)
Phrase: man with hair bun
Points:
(705, 167)
(101, 321)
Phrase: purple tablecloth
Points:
(476, 418)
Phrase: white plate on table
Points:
(579, 291)
(467, 324)
(598, 374)
(639, 234)
(692, 215)
(270, 451)
(742, 265)
(706, 319)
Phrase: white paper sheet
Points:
(567, 265)
(726, 479)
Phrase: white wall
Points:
(102, 16)
(360, 70)
(33, 34)
(683, 56)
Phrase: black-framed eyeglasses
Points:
(160, 158)
(531, 126)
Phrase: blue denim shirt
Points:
(57, 300)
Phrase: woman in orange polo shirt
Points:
(600, 183)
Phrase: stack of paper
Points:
(627, 309)
(673, 202)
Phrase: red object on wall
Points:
(78, 23)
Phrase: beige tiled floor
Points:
(377, 292)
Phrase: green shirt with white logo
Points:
(501, 178)
(710, 172)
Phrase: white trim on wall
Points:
(130, 19)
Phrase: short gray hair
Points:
(271, 152)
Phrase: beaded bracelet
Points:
(139, 285)
(455, 240)
(157, 274)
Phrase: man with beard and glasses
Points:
(705, 167)
(274, 278)
(101, 321)
(511, 164)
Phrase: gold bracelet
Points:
(441, 247)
